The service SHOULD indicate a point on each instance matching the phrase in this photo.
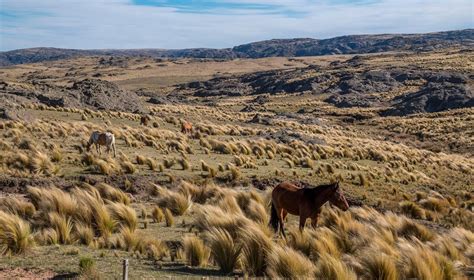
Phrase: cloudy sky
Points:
(90, 24)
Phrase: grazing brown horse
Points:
(186, 127)
(144, 120)
(303, 202)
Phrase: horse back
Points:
(288, 196)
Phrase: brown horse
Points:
(303, 202)
(144, 120)
(186, 127)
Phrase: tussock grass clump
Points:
(257, 212)
(196, 253)
(52, 200)
(57, 155)
(235, 173)
(409, 228)
(87, 267)
(331, 268)
(84, 234)
(20, 207)
(157, 214)
(434, 204)
(168, 163)
(177, 202)
(412, 209)
(140, 159)
(15, 234)
(225, 251)
(256, 249)
(128, 167)
(103, 167)
(113, 194)
(420, 262)
(63, 227)
(185, 165)
(286, 263)
(41, 164)
(124, 214)
(169, 219)
(379, 266)
(151, 163)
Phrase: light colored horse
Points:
(102, 139)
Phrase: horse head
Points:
(337, 198)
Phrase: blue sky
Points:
(90, 24)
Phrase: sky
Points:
(173, 24)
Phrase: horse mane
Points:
(313, 190)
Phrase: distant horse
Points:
(101, 139)
(186, 127)
(303, 202)
(144, 120)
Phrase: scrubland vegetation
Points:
(198, 204)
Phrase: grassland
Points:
(197, 205)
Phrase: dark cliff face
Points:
(280, 47)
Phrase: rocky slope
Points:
(282, 47)
(87, 93)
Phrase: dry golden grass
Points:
(124, 214)
(196, 253)
(286, 263)
(169, 219)
(15, 234)
(224, 250)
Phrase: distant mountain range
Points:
(270, 48)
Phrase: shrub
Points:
(286, 263)
(195, 251)
(224, 249)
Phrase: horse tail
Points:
(274, 220)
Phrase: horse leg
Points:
(282, 215)
(302, 221)
(113, 147)
(314, 221)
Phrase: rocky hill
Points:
(281, 47)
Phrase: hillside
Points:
(271, 48)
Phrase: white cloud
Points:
(119, 24)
